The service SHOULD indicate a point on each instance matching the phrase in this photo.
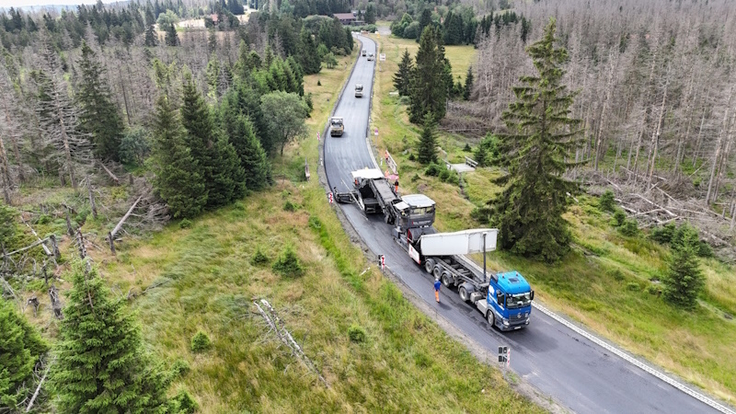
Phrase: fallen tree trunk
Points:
(114, 178)
(111, 235)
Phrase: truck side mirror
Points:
(532, 296)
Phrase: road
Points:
(574, 371)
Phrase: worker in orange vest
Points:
(437, 286)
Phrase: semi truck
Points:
(358, 90)
(504, 298)
(336, 127)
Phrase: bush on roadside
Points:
(357, 333)
(606, 202)
(288, 264)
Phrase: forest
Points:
(654, 88)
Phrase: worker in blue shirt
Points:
(437, 285)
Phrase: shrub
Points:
(618, 218)
(434, 169)
(412, 157)
(319, 83)
(182, 403)
(630, 228)
(288, 264)
(663, 234)
(653, 290)
(704, 249)
(356, 333)
(606, 202)
(289, 206)
(200, 342)
(467, 148)
(616, 274)
(185, 224)
(415, 178)
(259, 258)
(482, 215)
(180, 368)
(633, 286)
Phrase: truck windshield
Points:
(519, 301)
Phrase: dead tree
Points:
(92, 204)
(55, 302)
(111, 235)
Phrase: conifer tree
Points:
(20, 348)
(468, 89)
(253, 158)
(427, 150)
(100, 117)
(178, 177)
(308, 57)
(402, 78)
(100, 365)
(370, 13)
(202, 140)
(172, 39)
(151, 39)
(425, 20)
(536, 148)
(684, 280)
(428, 90)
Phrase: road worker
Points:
(437, 285)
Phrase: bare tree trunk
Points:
(92, 204)
(655, 136)
(5, 172)
(717, 155)
(699, 140)
(603, 114)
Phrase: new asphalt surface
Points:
(560, 363)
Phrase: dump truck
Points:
(336, 127)
(358, 90)
(504, 298)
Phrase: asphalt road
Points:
(576, 372)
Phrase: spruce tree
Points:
(427, 150)
(370, 13)
(684, 280)
(428, 90)
(100, 117)
(172, 39)
(100, 365)
(468, 89)
(425, 20)
(539, 141)
(151, 39)
(253, 158)
(201, 139)
(402, 78)
(178, 178)
(308, 57)
(20, 348)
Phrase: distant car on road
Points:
(370, 57)
(358, 90)
(363, 52)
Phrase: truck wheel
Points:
(429, 265)
(446, 279)
(437, 272)
(463, 293)
(491, 318)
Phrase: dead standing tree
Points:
(59, 117)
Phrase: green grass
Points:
(204, 278)
(605, 282)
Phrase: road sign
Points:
(376, 133)
(382, 57)
(382, 261)
(317, 136)
(504, 355)
(329, 196)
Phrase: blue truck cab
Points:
(509, 300)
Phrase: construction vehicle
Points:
(358, 90)
(336, 127)
(504, 299)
